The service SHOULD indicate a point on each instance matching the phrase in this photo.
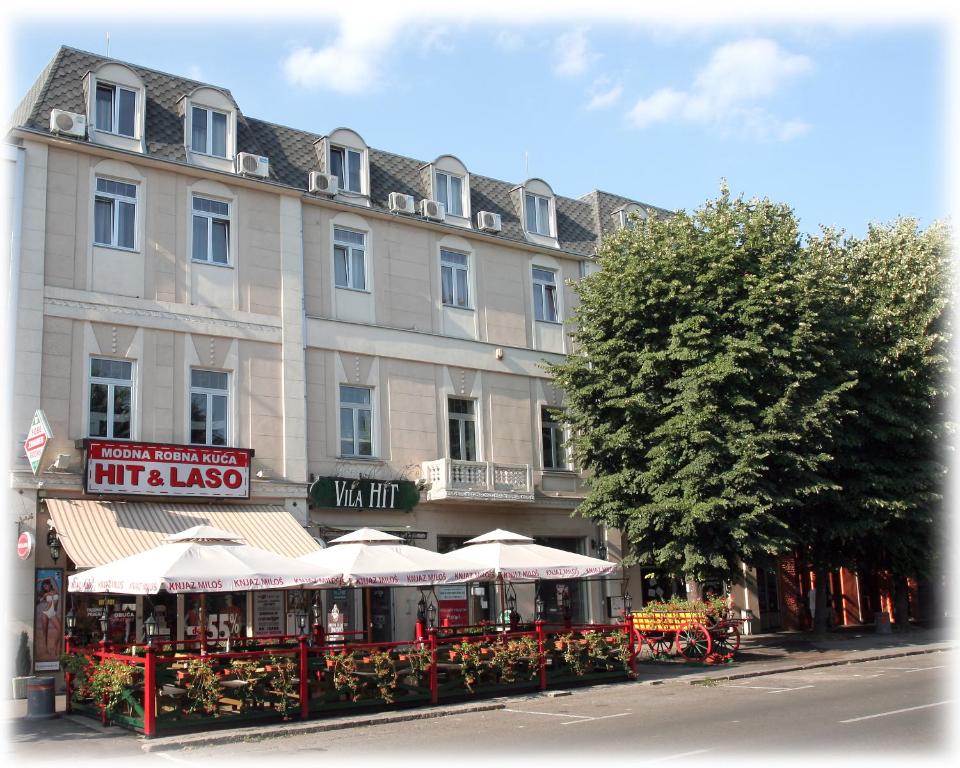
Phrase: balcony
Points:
(452, 479)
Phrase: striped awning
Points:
(97, 532)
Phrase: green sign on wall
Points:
(345, 492)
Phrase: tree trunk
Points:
(822, 577)
(693, 588)
(901, 603)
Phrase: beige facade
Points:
(290, 332)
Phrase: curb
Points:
(234, 735)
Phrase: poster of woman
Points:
(47, 629)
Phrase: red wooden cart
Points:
(695, 634)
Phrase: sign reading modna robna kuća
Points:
(364, 494)
(157, 469)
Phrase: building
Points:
(317, 335)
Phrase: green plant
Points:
(80, 667)
(620, 650)
(23, 656)
(385, 674)
(204, 691)
(574, 654)
(253, 693)
(282, 676)
(471, 666)
(421, 659)
(110, 679)
(345, 678)
(598, 652)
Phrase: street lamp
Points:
(432, 615)
(150, 627)
(53, 542)
(104, 624)
(71, 619)
(627, 602)
(538, 607)
(602, 552)
(302, 620)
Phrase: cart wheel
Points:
(693, 642)
(661, 643)
(726, 640)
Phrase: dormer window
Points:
(116, 109)
(209, 132)
(537, 212)
(449, 191)
(347, 165)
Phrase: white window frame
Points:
(444, 180)
(559, 435)
(355, 409)
(454, 269)
(111, 384)
(461, 419)
(209, 393)
(543, 218)
(541, 289)
(208, 149)
(115, 108)
(350, 250)
(343, 181)
(117, 199)
(210, 217)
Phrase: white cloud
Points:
(349, 64)
(727, 91)
(572, 53)
(436, 39)
(604, 99)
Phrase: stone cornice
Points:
(103, 308)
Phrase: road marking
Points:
(678, 756)
(897, 711)
(548, 714)
(602, 717)
(798, 688)
(172, 759)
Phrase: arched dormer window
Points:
(625, 216)
(115, 101)
(536, 206)
(447, 181)
(344, 154)
(209, 128)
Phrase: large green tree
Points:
(704, 394)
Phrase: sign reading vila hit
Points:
(157, 469)
(37, 438)
(364, 494)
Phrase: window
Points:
(115, 214)
(211, 230)
(116, 109)
(463, 429)
(111, 398)
(349, 253)
(545, 295)
(208, 407)
(554, 437)
(345, 165)
(455, 278)
(356, 422)
(449, 191)
(537, 211)
(209, 132)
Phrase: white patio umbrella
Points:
(514, 557)
(371, 558)
(200, 559)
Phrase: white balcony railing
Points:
(454, 479)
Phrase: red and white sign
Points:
(452, 605)
(37, 438)
(155, 469)
(25, 545)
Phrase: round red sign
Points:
(25, 545)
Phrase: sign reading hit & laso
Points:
(157, 469)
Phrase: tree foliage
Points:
(723, 376)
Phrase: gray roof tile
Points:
(580, 222)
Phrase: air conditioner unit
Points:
(323, 183)
(253, 165)
(489, 222)
(68, 123)
(401, 203)
(431, 209)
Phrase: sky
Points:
(844, 118)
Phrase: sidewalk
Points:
(758, 655)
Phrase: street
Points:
(872, 710)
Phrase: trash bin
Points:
(41, 699)
(881, 623)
